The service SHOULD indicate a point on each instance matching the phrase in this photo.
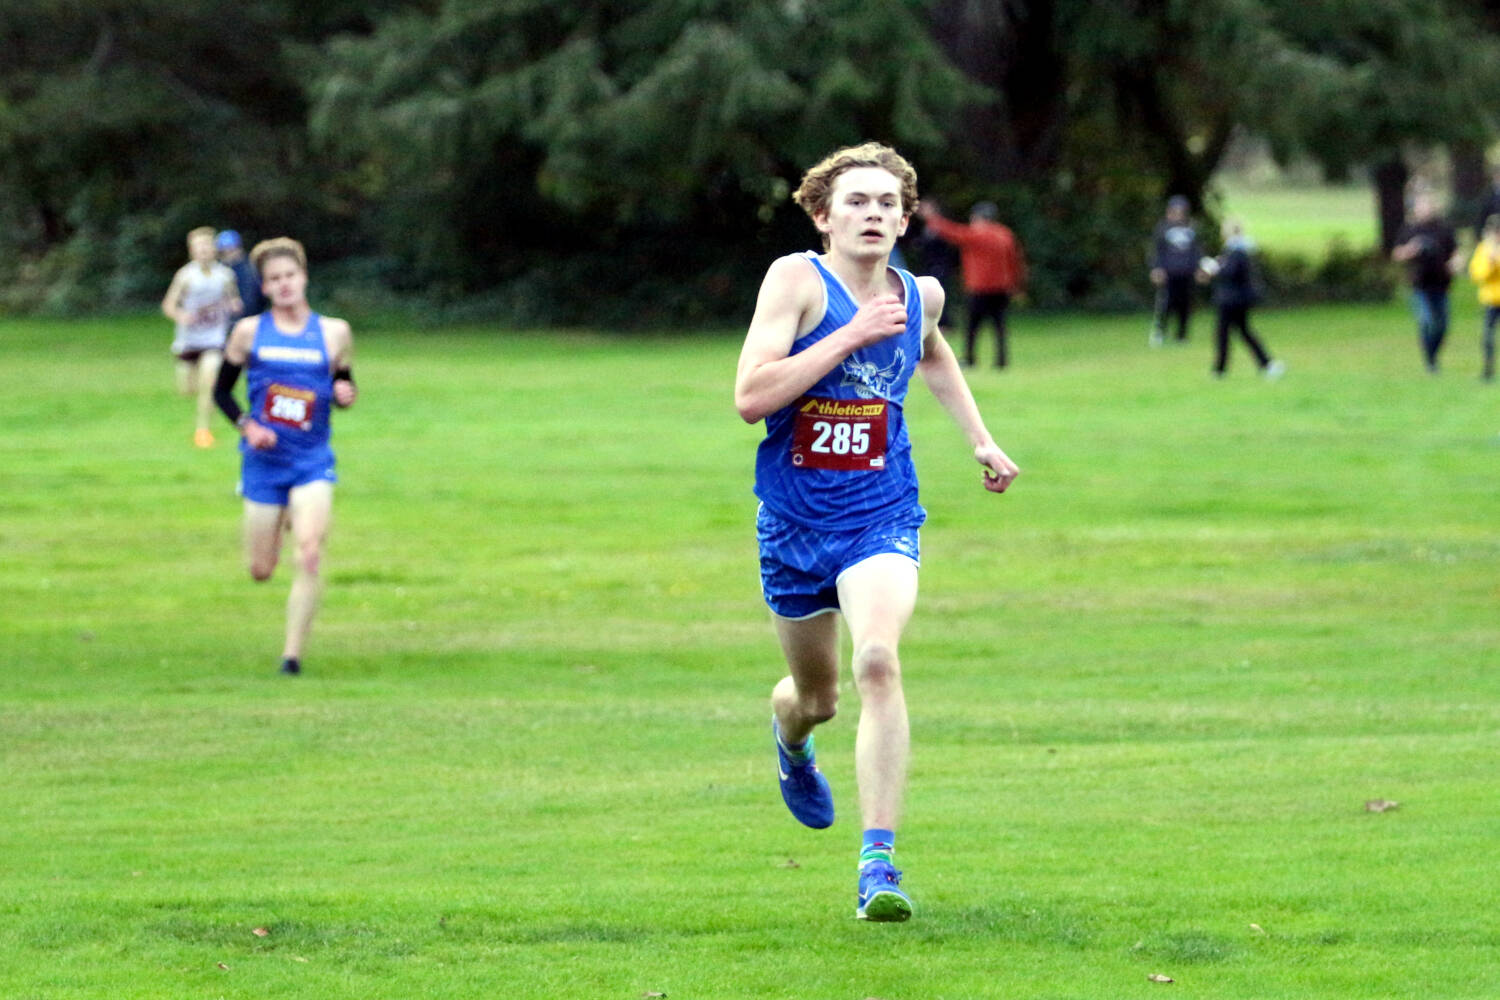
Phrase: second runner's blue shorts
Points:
(272, 482)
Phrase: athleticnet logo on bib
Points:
(289, 406)
(844, 434)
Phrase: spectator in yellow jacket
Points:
(1484, 268)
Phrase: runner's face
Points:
(283, 281)
(201, 249)
(864, 214)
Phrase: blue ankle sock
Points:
(879, 845)
(799, 754)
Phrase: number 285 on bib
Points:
(844, 434)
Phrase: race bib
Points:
(210, 315)
(839, 433)
(289, 407)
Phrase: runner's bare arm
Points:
(338, 338)
(241, 339)
(939, 368)
(769, 376)
(169, 300)
(232, 295)
(340, 346)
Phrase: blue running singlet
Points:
(839, 457)
(291, 390)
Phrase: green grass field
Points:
(1152, 688)
(1291, 218)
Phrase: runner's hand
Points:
(879, 319)
(999, 470)
(259, 437)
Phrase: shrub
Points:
(1344, 274)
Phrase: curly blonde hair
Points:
(278, 246)
(816, 189)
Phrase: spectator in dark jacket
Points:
(1175, 255)
(939, 258)
(232, 255)
(1429, 248)
(1236, 290)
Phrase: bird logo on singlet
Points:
(870, 381)
(1181, 237)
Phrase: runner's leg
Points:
(310, 507)
(207, 374)
(184, 372)
(264, 524)
(810, 694)
(877, 597)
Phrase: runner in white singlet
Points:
(200, 301)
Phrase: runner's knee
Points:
(876, 667)
(820, 705)
(309, 556)
(261, 569)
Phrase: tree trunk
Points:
(975, 39)
(1011, 48)
(1165, 135)
(1390, 178)
(1470, 181)
(1035, 85)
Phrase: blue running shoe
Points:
(880, 895)
(803, 787)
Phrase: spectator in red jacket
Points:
(993, 267)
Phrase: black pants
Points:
(1491, 317)
(1231, 318)
(982, 306)
(1175, 298)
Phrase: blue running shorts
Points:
(272, 482)
(800, 566)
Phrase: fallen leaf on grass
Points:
(223, 966)
(1257, 928)
(1380, 805)
(790, 863)
(1157, 977)
(261, 932)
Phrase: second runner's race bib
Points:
(289, 407)
(844, 434)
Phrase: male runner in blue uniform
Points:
(826, 363)
(298, 363)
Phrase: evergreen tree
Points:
(525, 126)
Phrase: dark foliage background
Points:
(628, 164)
